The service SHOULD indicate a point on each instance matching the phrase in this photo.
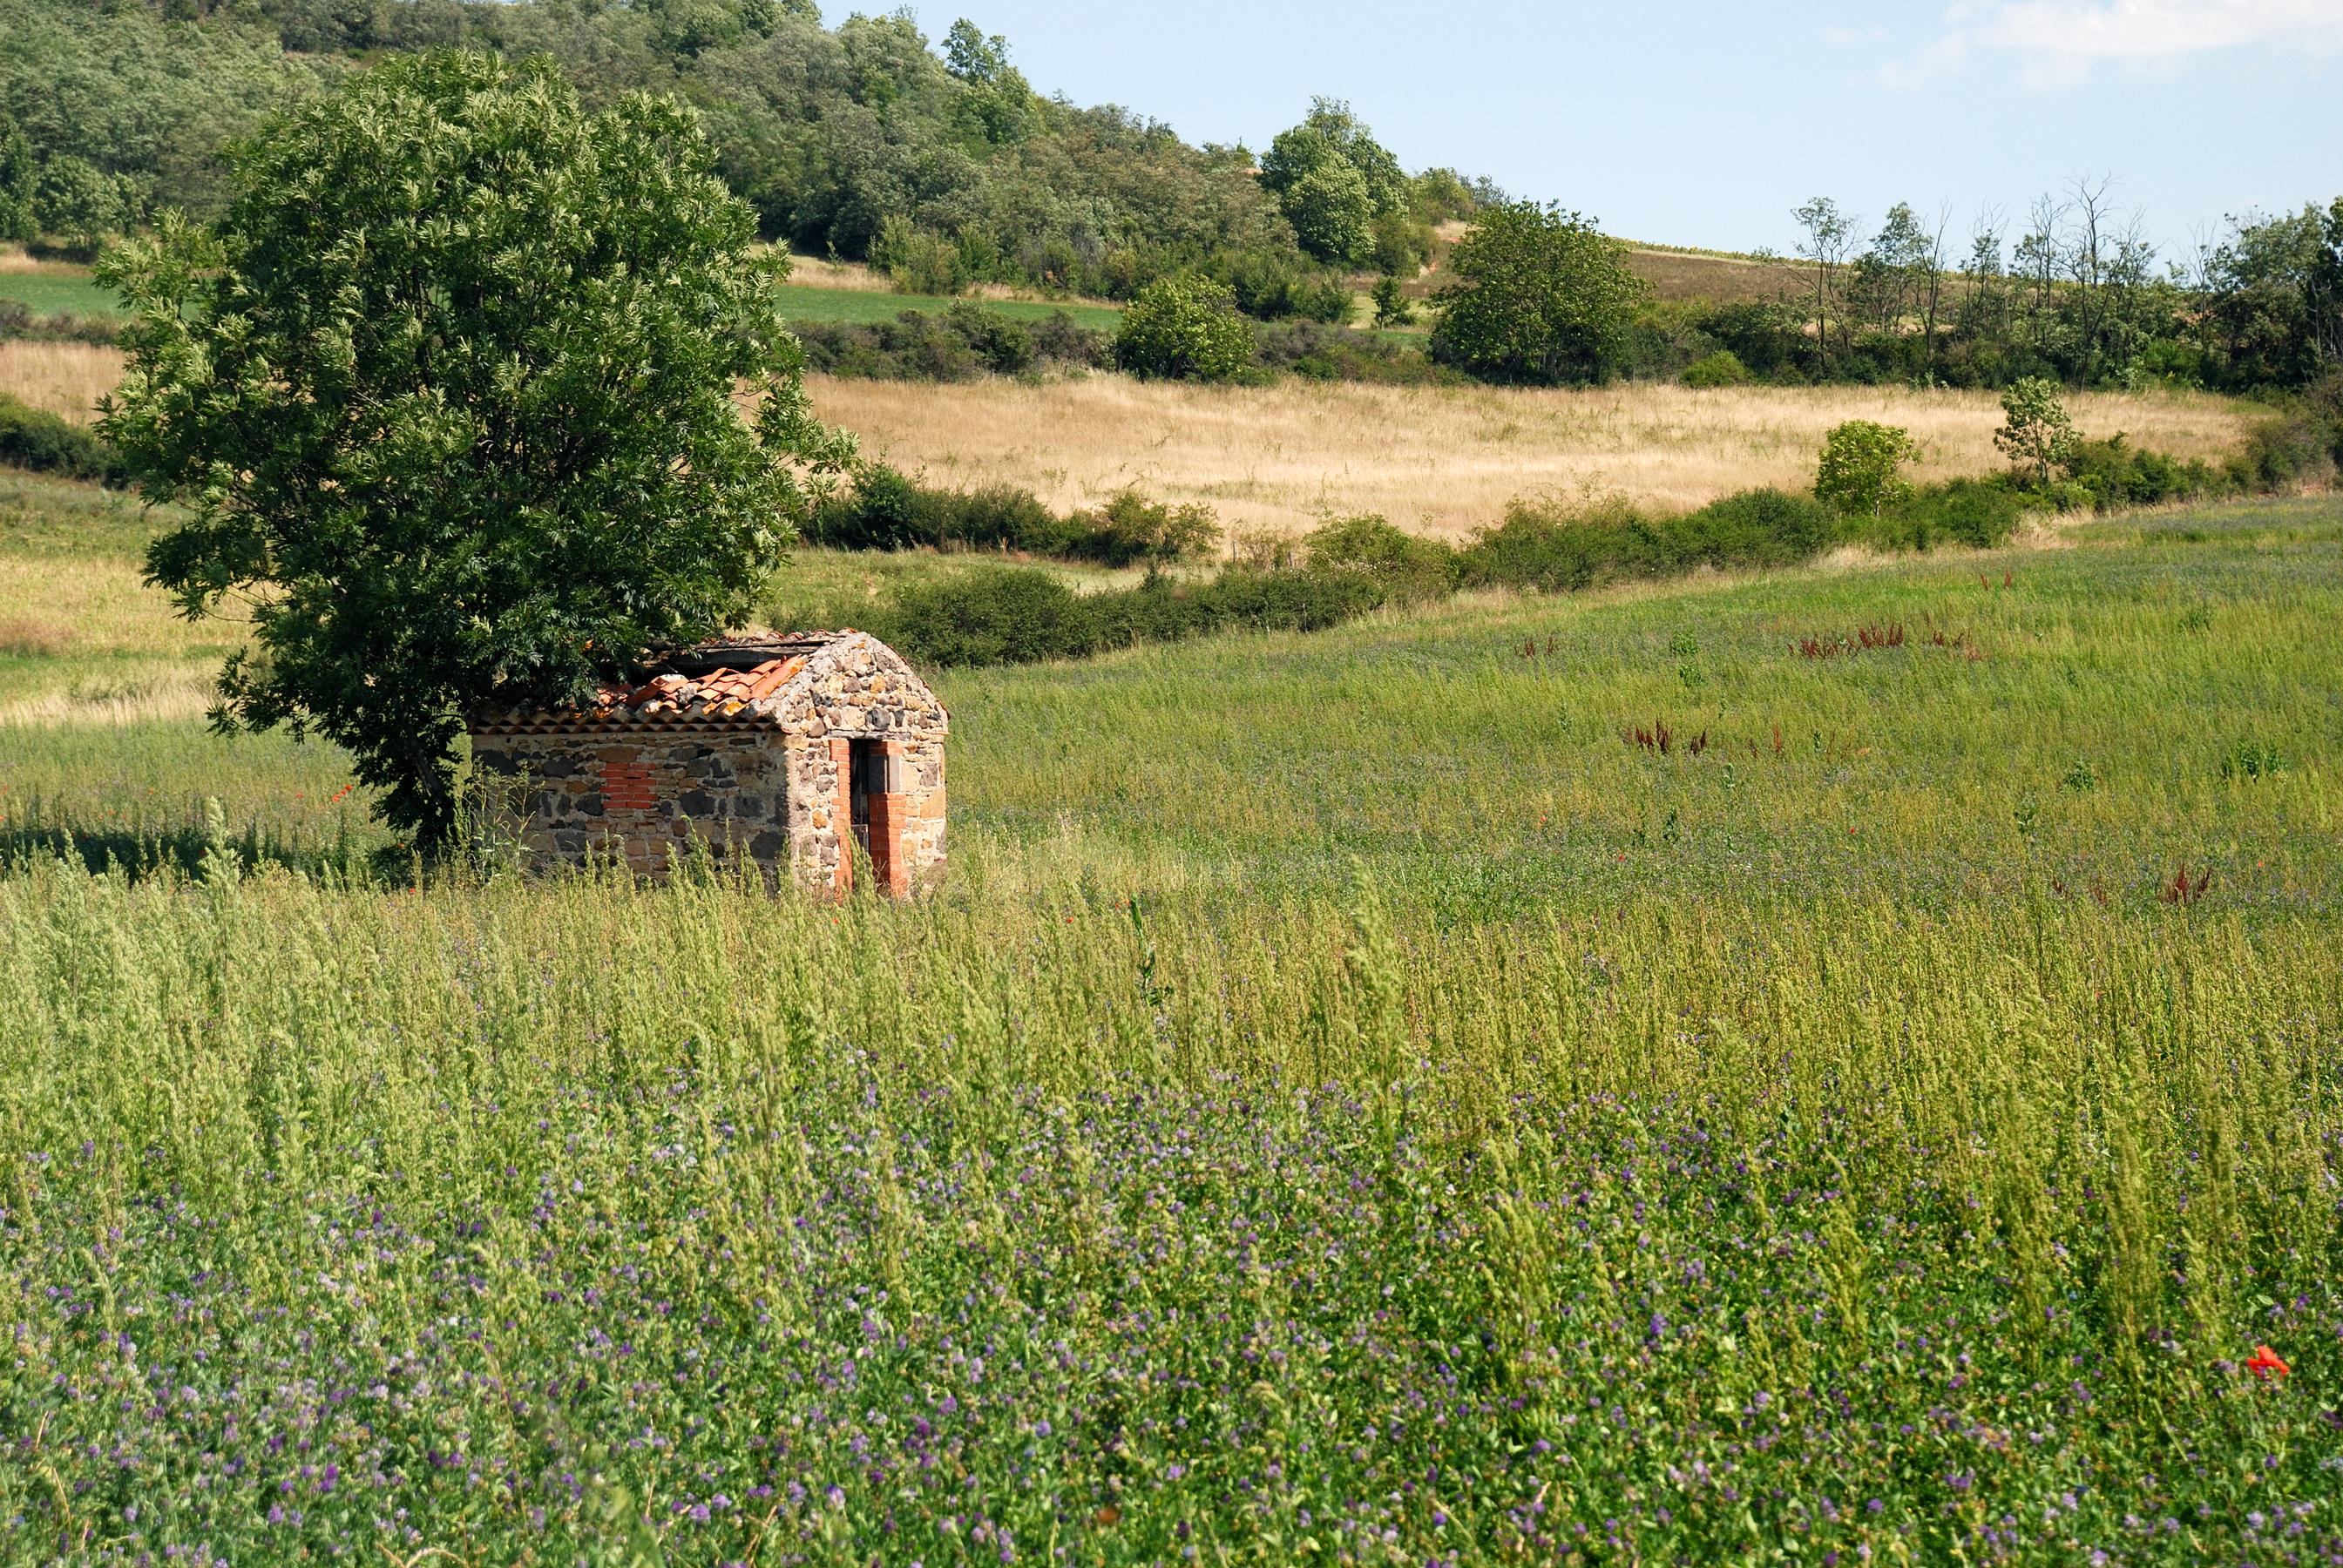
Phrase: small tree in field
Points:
(1858, 470)
(1540, 296)
(1184, 328)
(2036, 435)
(449, 392)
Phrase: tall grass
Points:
(691, 1224)
(1357, 1099)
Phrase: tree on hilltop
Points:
(1333, 180)
(1540, 296)
(449, 389)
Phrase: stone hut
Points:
(776, 750)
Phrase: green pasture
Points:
(1352, 1102)
(52, 294)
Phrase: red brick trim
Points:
(887, 814)
(841, 760)
(627, 786)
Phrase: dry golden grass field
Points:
(1441, 460)
(1444, 460)
(66, 378)
(1723, 280)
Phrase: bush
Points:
(964, 343)
(18, 320)
(1184, 328)
(2292, 447)
(2119, 475)
(988, 615)
(1340, 354)
(1059, 340)
(1131, 528)
(919, 261)
(886, 510)
(1761, 527)
(1392, 309)
(1556, 551)
(1018, 615)
(1403, 567)
(1273, 286)
(1722, 368)
(1980, 513)
(36, 439)
(1857, 473)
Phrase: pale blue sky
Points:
(1705, 123)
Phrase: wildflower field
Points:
(1839, 1066)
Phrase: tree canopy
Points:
(1540, 296)
(449, 387)
(1333, 180)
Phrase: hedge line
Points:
(996, 614)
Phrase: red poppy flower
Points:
(2266, 1362)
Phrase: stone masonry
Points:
(786, 752)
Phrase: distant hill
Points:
(1721, 279)
(862, 141)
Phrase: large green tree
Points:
(452, 392)
(1540, 296)
(1334, 179)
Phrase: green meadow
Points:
(66, 293)
(1833, 1066)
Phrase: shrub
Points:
(36, 439)
(1271, 286)
(877, 511)
(1857, 473)
(1019, 615)
(997, 516)
(1760, 527)
(965, 342)
(1340, 354)
(1403, 567)
(2291, 448)
(919, 261)
(1184, 328)
(1981, 513)
(18, 320)
(2119, 475)
(1392, 309)
(988, 615)
(1238, 598)
(1557, 550)
(2037, 434)
(1131, 528)
(884, 509)
(1722, 368)
(1059, 339)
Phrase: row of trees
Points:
(2074, 293)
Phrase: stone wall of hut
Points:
(640, 797)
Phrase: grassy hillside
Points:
(1682, 275)
(1353, 1100)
